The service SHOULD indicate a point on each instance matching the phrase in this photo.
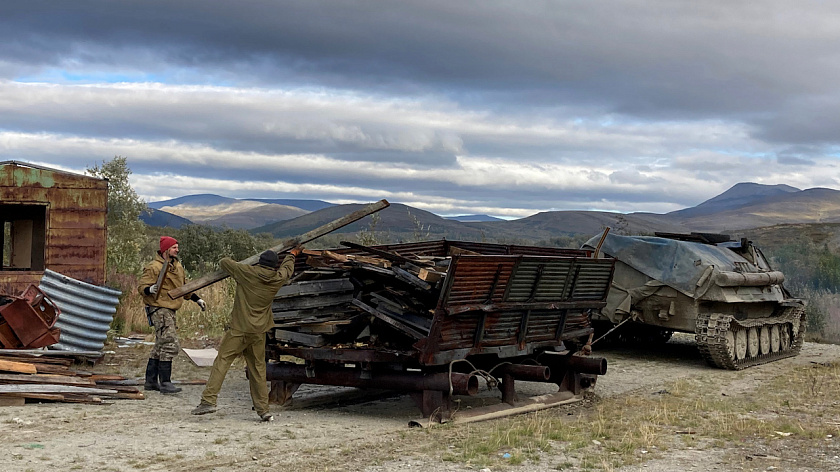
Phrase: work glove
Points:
(152, 289)
(202, 304)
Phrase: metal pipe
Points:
(531, 373)
(462, 384)
(582, 364)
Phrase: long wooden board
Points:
(286, 246)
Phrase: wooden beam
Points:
(287, 245)
(311, 340)
(20, 367)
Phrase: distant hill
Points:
(204, 199)
(740, 195)
(162, 219)
(308, 205)
(816, 205)
(743, 207)
(215, 210)
(398, 222)
(473, 218)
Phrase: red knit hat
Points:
(167, 242)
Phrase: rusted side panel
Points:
(481, 280)
(75, 255)
(511, 305)
(12, 282)
(12, 175)
(80, 237)
(78, 219)
(76, 211)
(58, 198)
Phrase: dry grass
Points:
(192, 322)
(798, 406)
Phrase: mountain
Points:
(740, 195)
(743, 207)
(308, 205)
(473, 218)
(205, 199)
(398, 222)
(162, 219)
(237, 214)
(816, 205)
(215, 210)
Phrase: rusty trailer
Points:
(432, 318)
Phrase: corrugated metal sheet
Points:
(86, 311)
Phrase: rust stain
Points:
(74, 233)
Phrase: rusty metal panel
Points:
(480, 279)
(76, 212)
(21, 174)
(79, 219)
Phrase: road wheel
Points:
(764, 339)
(741, 344)
(775, 338)
(752, 342)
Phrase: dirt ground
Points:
(331, 428)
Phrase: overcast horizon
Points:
(468, 107)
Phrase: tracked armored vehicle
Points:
(723, 291)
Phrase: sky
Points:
(505, 108)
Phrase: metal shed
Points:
(50, 219)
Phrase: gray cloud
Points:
(625, 106)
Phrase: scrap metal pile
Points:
(425, 317)
(346, 292)
(28, 320)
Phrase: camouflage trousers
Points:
(166, 338)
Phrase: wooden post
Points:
(287, 245)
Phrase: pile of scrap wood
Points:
(48, 377)
(379, 298)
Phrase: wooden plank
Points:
(53, 389)
(377, 252)
(309, 302)
(36, 359)
(21, 367)
(401, 327)
(311, 340)
(43, 379)
(431, 276)
(286, 246)
(411, 278)
(314, 287)
(35, 396)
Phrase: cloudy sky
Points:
(505, 108)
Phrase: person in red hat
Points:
(160, 309)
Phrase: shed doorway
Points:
(23, 237)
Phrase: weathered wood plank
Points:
(403, 328)
(44, 379)
(20, 367)
(284, 247)
(311, 340)
(54, 389)
(314, 287)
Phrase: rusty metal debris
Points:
(28, 321)
(432, 318)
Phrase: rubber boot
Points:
(165, 372)
(152, 375)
